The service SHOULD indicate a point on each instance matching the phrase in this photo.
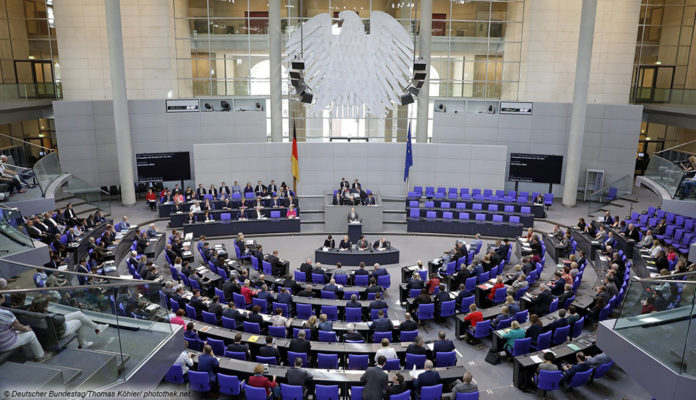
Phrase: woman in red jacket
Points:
(260, 381)
(151, 199)
(498, 284)
(474, 316)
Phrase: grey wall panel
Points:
(611, 136)
(378, 166)
(85, 130)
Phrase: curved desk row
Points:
(536, 209)
(355, 257)
(178, 219)
(249, 227)
(464, 227)
(165, 209)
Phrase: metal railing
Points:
(642, 95)
(30, 91)
(88, 193)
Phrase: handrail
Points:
(674, 147)
(44, 289)
(25, 142)
(53, 270)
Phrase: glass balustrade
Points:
(655, 309)
(609, 193)
(46, 170)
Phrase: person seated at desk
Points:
(324, 323)
(353, 303)
(195, 207)
(151, 200)
(381, 244)
(378, 303)
(362, 244)
(381, 324)
(166, 197)
(318, 270)
(256, 213)
(300, 344)
(337, 199)
(443, 345)
(397, 385)
(297, 376)
(539, 200)
(353, 216)
(259, 188)
(498, 284)
(408, 324)
(345, 244)
(581, 225)
(558, 285)
(386, 350)
(559, 323)
(259, 202)
(370, 200)
(306, 292)
(513, 333)
(504, 314)
(189, 194)
(329, 242)
(427, 377)
(332, 287)
(415, 282)
(248, 188)
(580, 366)
(275, 203)
(306, 268)
(190, 332)
(433, 283)
(291, 213)
(422, 298)
(200, 192)
(269, 350)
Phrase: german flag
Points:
(295, 157)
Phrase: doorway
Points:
(653, 83)
(645, 149)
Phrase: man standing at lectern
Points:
(353, 216)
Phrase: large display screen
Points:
(540, 168)
(153, 167)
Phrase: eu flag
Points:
(409, 154)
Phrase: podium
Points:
(354, 231)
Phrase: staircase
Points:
(394, 214)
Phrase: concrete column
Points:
(426, 33)
(275, 63)
(124, 147)
(579, 106)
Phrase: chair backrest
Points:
(341, 280)
(262, 303)
(255, 393)
(361, 280)
(358, 361)
(504, 323)
(447, 215)
(553, 306)
(374, 313)
(190, 311)
(378, 336)
(548, 380)
(318, 278)
(401, 396)
(328, 295)
(175, 374)
(467, 301)
(580, 378)
(353, 314)
(328, 336)
(292, 356)
(408, 336)
(543, 341)
(283, 307)
(431, 214)
(602, 369)
(225, 216)
(229, 323)
(384, 281)
(560, 335)
(209, 318)
(237, 355)
(356, 392)
(467, 396)
(330, 311)
(447, 308)
(522, 316)
(445, 359)
(300, 276)
(500, 295)
(480, 217)
(252, 327)
(304, 311)
(229, 384)
(327, 361)
(431, 392)
(414, 212)
(200, 381)
(392, 364)
(521, 346)
(415, 359)
(277, 331)
(327, 392)
(463, 215)
(483, 329)
(426, 311)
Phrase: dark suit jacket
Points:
(344, 244)
(382, 325)
(375, 381)
(215, 308)
(427, 378)
(299, 346)
(298, 376)
(443, 346)
(269, 351)
(408, 325)
(415, 349)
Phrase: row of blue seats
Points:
(449, 215)
(485, 194)
(463, 206)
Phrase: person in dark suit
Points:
(378, 303)
(208, 363)
(353, 303)
(353, 216)
(558, 284)
(238, 347)
(306, 268)
(297, 376)
(337, 199)
(440, 297)
(375, 381)
(382, 324)
(408, 324)
(352, 334)
(461, 295)
(344, 184)
(318, 270)
(178, 296)
(540, 305)
(345, 243)
(361, 270)
(443, 345)
(633, 233)
(535, 328)
(269, 350)
(581, 366)
(215, 307)
(370, 200)
(277, 267)
(330, 242)
(197, 302)
(232, 312)
(306, 292)
(397, 385)
(427, 377)
(300, 344)
(416, 347)
(559, 323)
(363, 244)
(381, 244)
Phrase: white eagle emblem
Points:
(352, 69)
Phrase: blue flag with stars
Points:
(409, 154)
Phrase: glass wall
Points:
(665, 38)
(222, 50)
(29, 49)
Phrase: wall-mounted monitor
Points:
(539, 168)
(154, 167)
